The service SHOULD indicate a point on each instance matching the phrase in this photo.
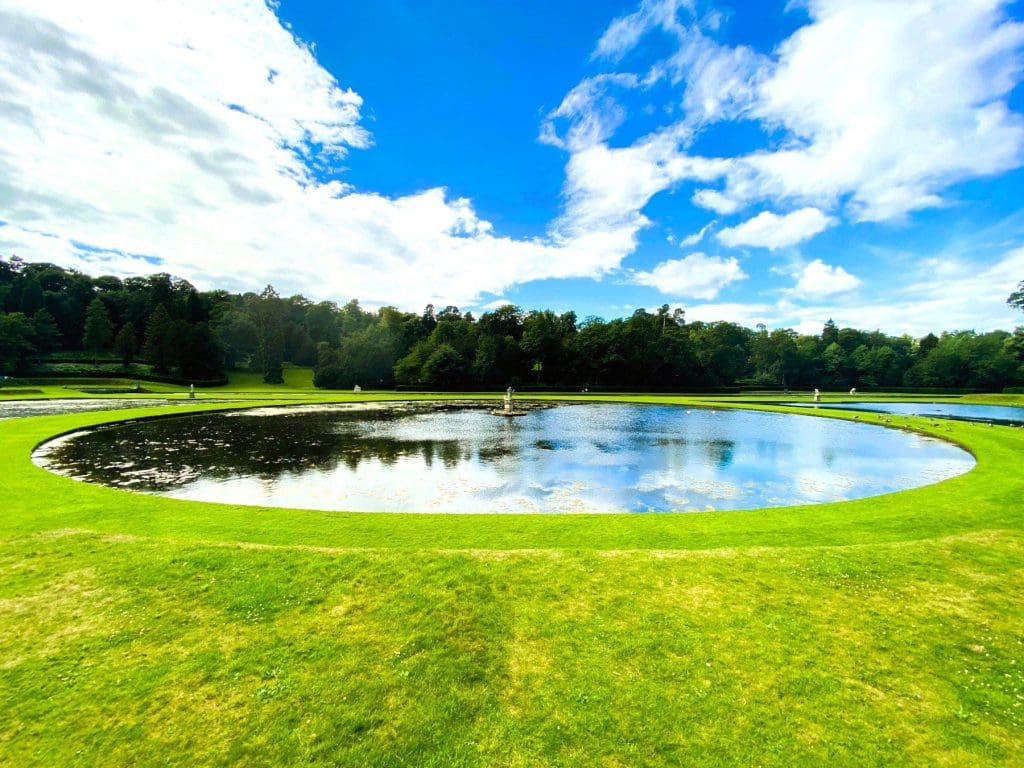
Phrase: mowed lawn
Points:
(136, 630)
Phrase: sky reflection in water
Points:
(999, 414)
(574, 458)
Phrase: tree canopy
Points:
(166, 323)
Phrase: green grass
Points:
(146, 631)
(295, 379)
(298, 382)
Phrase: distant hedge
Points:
(924, 390)
(61, 378)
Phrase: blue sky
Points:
(776, 162)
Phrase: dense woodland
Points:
(162, 326)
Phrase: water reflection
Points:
(564, 459)
(996, 414)
(720, 452)
(13, 409)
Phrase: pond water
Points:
(997, 414)
(11, 409)
(571, 458)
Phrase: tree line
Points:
(176, 330)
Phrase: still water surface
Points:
(998, 414)
(13, 409)
(572, 458)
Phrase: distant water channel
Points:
(12, 409)
(996, 414)
(571, 458)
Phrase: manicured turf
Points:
(244, 384)
(145, 631)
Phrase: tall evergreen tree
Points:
(125, 344)
(159, 346)
(829, 334)
(98, 329)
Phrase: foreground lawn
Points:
(145, 631)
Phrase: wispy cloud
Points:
(696, 237)
(625, 32)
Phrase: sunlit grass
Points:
(145, 631)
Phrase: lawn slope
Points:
(146, 631)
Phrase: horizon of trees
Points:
(196, 335)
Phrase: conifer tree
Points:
(98, 329)
(159, 346)
(125, 344)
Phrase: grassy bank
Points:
(140, 630)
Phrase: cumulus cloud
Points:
(869, 117)
(698, 276)
(881, 112)
(769, 230)
(205, 140)
(819, 279)
(964, 298)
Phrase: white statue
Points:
(357, 388)
(191, 391)
(853, 390)
(817, 395)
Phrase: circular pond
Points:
(461, 458)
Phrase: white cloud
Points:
(625, 32)
(606, 190)
(696, 237)
(35, 246)
(496, 304)
(747, 315)
(888, 103)
(720, 82)
(769, 230)
(193, 133)
(592, 113)
(963, 298)
(698, 276)
(190, 138)
(715, 201)
(875, 107)
(820, 279)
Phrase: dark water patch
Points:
(552, 445)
